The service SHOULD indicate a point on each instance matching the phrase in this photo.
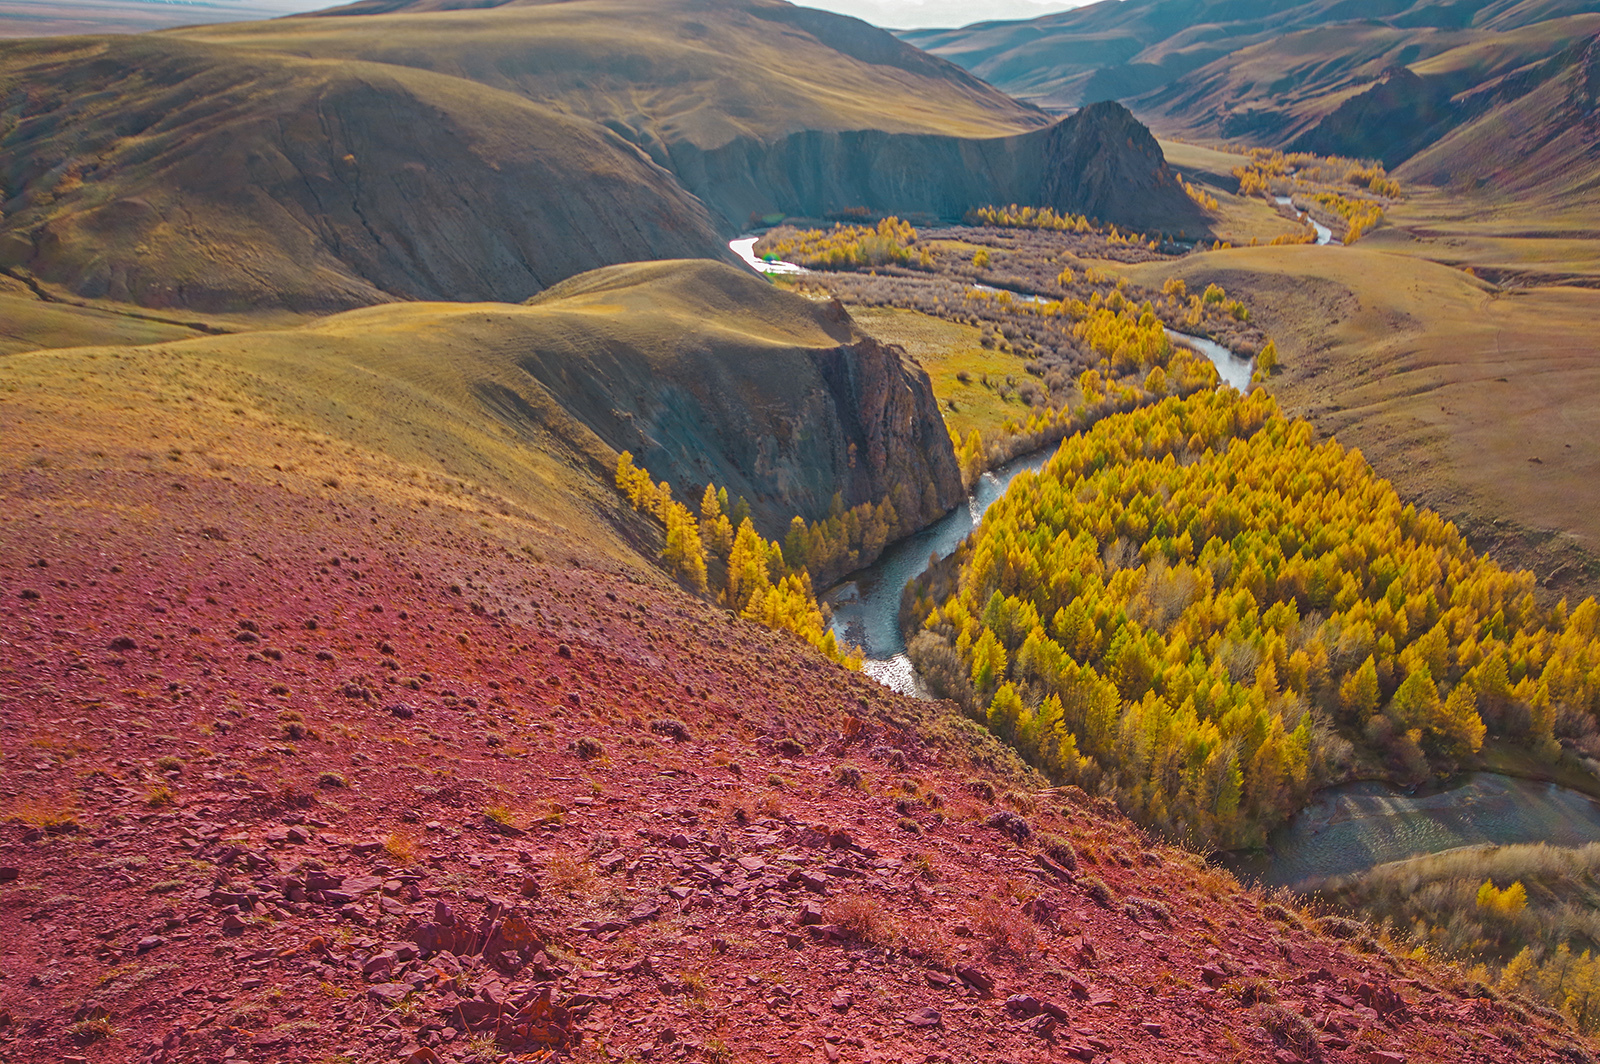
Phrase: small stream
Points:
(1324, 234)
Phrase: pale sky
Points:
(895, 14)
(915, 14)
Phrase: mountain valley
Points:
(450, 445)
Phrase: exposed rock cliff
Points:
(1101, 161)
(787, 416)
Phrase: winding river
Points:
(1324, 234)
(1347, 828)
(866, 608)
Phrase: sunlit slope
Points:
(704, 371)
(1497, 95)
(1371, 90)
(1120, 49)
(27, 322)
(1482, 403)
(171, 173)
(664, 71)
(1539, 143)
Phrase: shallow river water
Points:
(1353, 827)
(1324, 234)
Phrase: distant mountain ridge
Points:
(1385, 79)
(1118, 49)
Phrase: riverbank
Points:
(1508, 760)
(1349, 829)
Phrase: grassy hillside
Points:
(1495, 95)
(1373, 90)
(398, 151)
(1538, 143)
(663, 71)
(765, 109)
(174, 174)
(1117, 50)
(705, 372)
(1471, 399)
(28, 322)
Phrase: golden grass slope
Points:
(665, 71)
(706, 370)
(167, 172)
(1480, 402)
(28, 323)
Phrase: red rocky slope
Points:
(293, 780)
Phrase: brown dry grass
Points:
(714, 78)
(401, 845)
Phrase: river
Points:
(866, 607)
(1345, 829)
(1324, 234)
(745, 248)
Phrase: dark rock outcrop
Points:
(1101, 162)
(785, 424)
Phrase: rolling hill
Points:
(660, 72)
(61, 18)
(1491, 93)
(396, 152)
(171, 173)
(1119, 50)
(766, 109)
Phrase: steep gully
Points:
(1348, 828)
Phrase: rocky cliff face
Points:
(1101, 162)
(786, 419)
(887, 412)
